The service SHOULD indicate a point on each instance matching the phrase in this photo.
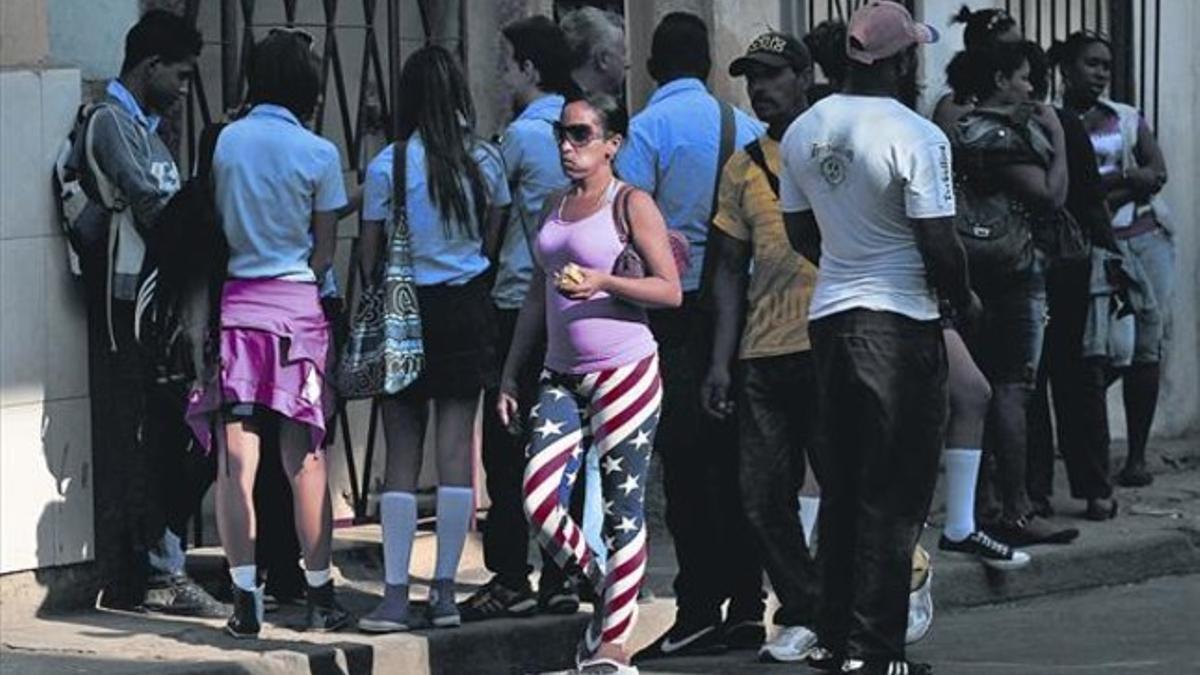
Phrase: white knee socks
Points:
(962, 470)
(398, 515)
(454, 508)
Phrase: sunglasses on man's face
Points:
(577, 135)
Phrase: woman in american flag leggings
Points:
(600, 390)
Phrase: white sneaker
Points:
(791, 643)
(920, 610)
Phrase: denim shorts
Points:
(1154, 253)
(1008, 343)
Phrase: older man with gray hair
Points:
(596, 38)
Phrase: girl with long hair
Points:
(454, 192)
(600, 389)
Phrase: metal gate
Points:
(362, 43)
(1133, 26)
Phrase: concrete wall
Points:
(45, 445)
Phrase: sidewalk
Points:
(1157, 534)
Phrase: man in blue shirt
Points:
(538, 72)
(673, 152)
(147, 485)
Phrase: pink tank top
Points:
(602, 332)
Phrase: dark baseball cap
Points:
(775, 50)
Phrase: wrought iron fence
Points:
(1134, 27)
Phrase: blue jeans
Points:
(1153, 257)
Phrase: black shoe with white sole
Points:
(685, 639)
(988, 551)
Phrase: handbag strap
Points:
(621, 219)
(724, 150)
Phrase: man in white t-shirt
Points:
(867, 194)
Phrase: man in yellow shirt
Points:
(761, 289)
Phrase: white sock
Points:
(317, 578)
(454, 507)
(398, 514)
(808, 516)
(245, 577)
(962, 471)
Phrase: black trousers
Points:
(716, 552)
(882, 401)
(506, 531)
(777, 413)
(1079, 386)
(145, 479)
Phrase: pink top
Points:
(602, 332)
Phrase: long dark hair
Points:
(435, 100)
(972, 72)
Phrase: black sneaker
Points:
(988, 551)
(825, 659)
(685, 639)
(886, 668)
(178, 595)
(560, 598)
(495, 600)
(325, 615)
(247, 614)
(745, 634)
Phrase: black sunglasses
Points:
(578, 135)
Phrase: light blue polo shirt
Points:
(271, 174)
(671, 152)
(442, 253)
(534, 172)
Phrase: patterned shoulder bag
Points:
(384, 352)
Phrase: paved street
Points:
(1147, 629)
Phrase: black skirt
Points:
(458, 328)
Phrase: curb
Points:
(1059, 569)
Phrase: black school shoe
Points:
(247, 617)
(685, 638)
(325, 615)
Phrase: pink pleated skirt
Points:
(274, 347)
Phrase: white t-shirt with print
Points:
(865, 165)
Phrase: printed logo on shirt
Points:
(834, 162)
(167, 175)
(945, 174)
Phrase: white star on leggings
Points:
(612, 464)
(629, 485)
(550, 428)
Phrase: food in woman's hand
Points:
(570, 273)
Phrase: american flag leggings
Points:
(615, 413)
